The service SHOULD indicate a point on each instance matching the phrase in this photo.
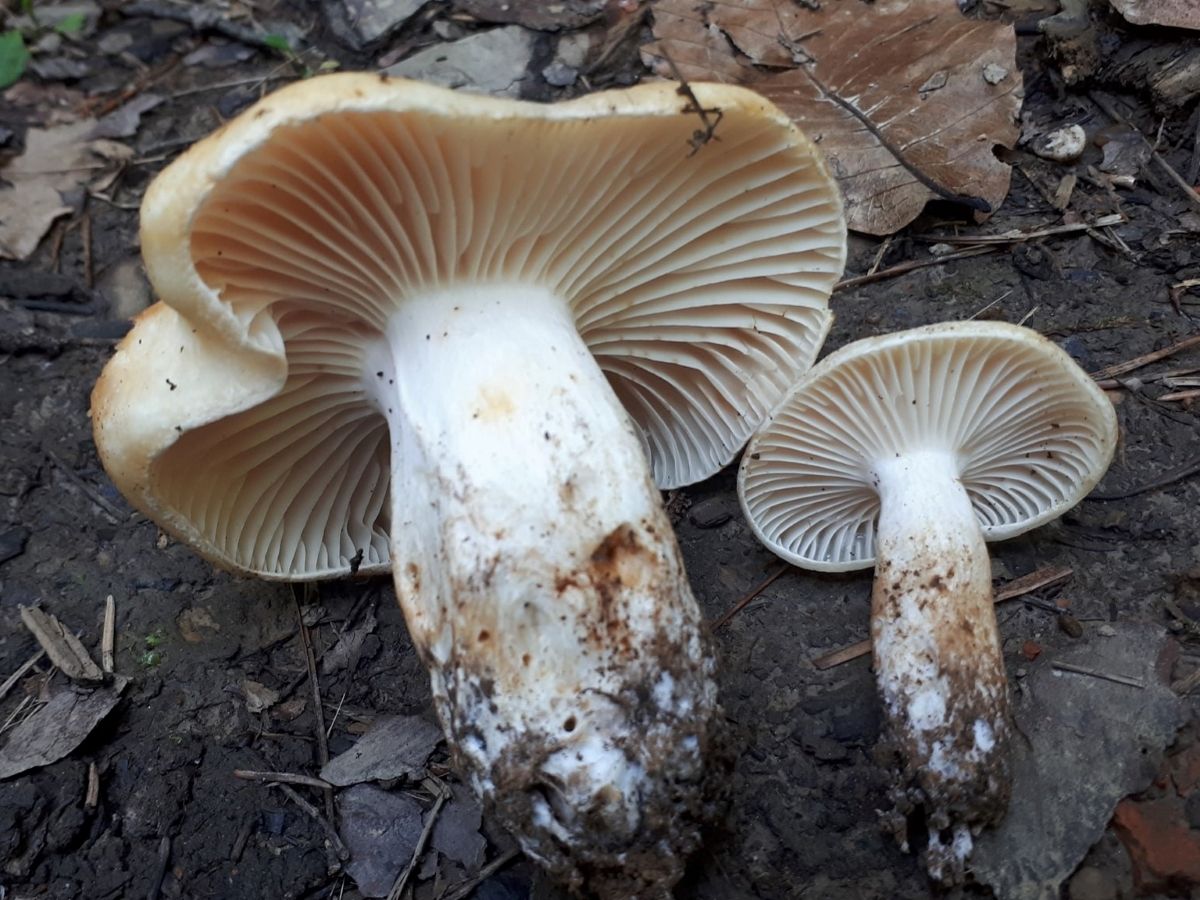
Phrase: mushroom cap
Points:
(698, 278)
(1030, 431)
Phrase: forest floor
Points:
(1108, 784)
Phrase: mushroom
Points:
(464, 338)
(907, 452)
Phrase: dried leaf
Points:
(395, 746)
(61, 158)
(258, 696)
(349, 644)
(381, 829)
(58, 727)
(899, 93)
(194, 621)
(1087, 743)
(64, 648)
(456, 832)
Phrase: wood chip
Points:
(64, 649)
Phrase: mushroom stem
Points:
(542, 585)
(938, 660)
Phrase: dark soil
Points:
(806, 791)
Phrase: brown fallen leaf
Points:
(1171, 13)
(59, 159)
(907, 98)
(58, 727)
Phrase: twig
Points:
(1193, 394)
(111, 512)
(1137, 362)
(282, 778)
(12, 717)
(1020, 237)
(700, 136)
(335, 839)
(912, 265)
(239, 842)
(355, 610)
(1016, 588)
(1193, 169)
(977, 246)
(230, 85)
(1187, 470)
(85, 238)
(1094, 673)
(723, 620)
(108, 637)
(1188, 191)
(164, 858)
(464, 889)
(20, 673)
(884, 245)
(1187, 684)
(91, 799)
(318, 713)
(99, 107)
(402, 878)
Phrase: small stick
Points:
(912, 265)
(335, 839)
(1193, 394)
(1020, 237)
(164, 858)
(108, 636)
(1016, 588)
(748, 596)
(1187, 470)
(1081, 670)
(20, 673)
(239, 842)
(111, 512)
(402, 878)
(230, 85)
(1187, 684)
(92, 798)
(318, 713)
(85, 238)
(700, 137)
(1138, 362)
(12, 717)
(879, 254)
(464, 889)
(282, 778)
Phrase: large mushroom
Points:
(907, 452)
(465, 337)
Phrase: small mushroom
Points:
(468, 339)
(908, 452)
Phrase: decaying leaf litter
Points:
(1103, 279)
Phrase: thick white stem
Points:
(938, 660)
(542, 585)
